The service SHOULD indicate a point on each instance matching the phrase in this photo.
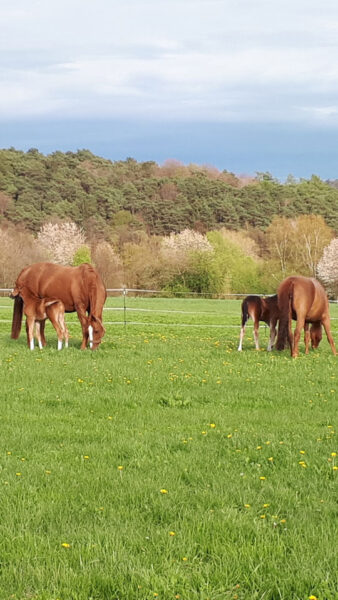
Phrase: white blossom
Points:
(62, 241)
(327, 268)
(186, 241)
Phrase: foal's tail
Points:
(17, 317)
(285, 296)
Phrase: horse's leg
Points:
(256, 336)
(296, 337)
(327, 326)
(81, 313)
(306, 337)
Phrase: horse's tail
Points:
(17, 317)
(245, 312)
(285, 297)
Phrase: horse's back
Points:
(307, 294)
(49, 280)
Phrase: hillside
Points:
(97, 193)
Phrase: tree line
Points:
(171, 227)
(97, 194)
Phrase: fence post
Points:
(125, 308)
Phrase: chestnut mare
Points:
(260, 309)
(80, 289)
(305, 297)
(266, 310)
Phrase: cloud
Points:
(202, 59)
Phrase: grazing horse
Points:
(36, 311)
(80, 289)
(260, 309)
(305, 297)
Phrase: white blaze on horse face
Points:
(90, 332)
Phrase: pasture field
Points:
(167, 464)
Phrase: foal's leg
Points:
(273, 333)
(241, 337)
(256, 336)
(30, 320)
(42, 332)
(63, 327)
(38, 333)
(327, 326)
(306, 337)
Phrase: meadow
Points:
(166, 464)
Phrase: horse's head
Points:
(96, 331)
(316, 334)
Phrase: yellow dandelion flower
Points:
(48, 472)
(86, 457)
(262, 517)
(212, 425)
(184, 558)
(259, 448)
(247, 505)
(120, 468)
(163, 491)
(270, 458)
(302, 451)
(262, 478)
(283, 520)
(333, 454)
(335, 468)
(65, 545)
(266, 505)
(172, 533)
(312, 597)
(229, 435)
(9, 453)
(204, 433)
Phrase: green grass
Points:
(222, 432)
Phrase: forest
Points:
(174, 227)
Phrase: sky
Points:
(243, 85)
